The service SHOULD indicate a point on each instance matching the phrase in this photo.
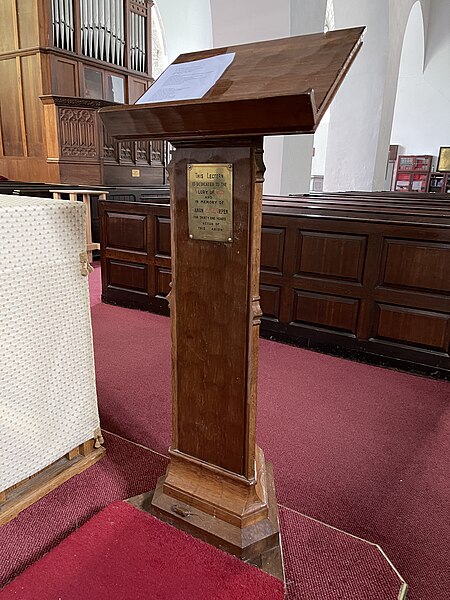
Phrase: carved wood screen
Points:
(145, 152)
(78, 132)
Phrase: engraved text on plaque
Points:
(210, 202)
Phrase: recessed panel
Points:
(413, 326)
(162, 237)
(163, 279)
(65, 77)
(272, 249)
(127, 276)
(270, 301)
(416, 264)
(126, 232)
(324, 254)
(324, 310)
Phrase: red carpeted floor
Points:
(125, 553)
(128, 469)
(361, 448)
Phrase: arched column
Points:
(362, 113)
(306, 17)
(421, 117)
(355, 115)
(288, 159)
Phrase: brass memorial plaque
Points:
(210, 202)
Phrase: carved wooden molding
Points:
(74, 101)
(78, 132)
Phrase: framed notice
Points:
(210, 202)
(444, 159)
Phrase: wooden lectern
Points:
(218, 485)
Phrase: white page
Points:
(187, 81)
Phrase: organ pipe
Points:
(63, 26)
(102, 27)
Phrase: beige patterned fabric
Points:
(48, 402)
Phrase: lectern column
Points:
(217, 485)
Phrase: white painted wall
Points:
(305, 17)
(361, 116)
(287, 158)
(320, 145)
(187, 25)
(238, 22)
(355, 114)
(422, 110)
(363, 111)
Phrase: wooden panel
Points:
(10, 104)
(33, 109)
(125, 275)
(331, 255)
(78, 133)
(27, 23)
(136, 87)
(417, 264)
(324, 310)
(163, 279)
(125, 231)
(270, 301)
(272, 249)
(7, 30)
(64, 77)
(212, 294)
(417, 327)
(162, 237)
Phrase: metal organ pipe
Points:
(89, 25)
(95, 24)
(63, 25)
(101, 16)
(120, 31)
(102, 28)
(55, 11)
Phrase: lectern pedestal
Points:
(218, 485)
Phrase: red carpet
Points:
(125, 553)
(362, 448)
(128, 470)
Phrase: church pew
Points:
(374, 282)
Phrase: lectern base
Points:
(258, 544)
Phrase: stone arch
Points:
(420, 125)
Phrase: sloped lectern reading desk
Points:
(218, 485)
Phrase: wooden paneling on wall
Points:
(8, 37)
(11, 109)
(32, 108)
(379, 283)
